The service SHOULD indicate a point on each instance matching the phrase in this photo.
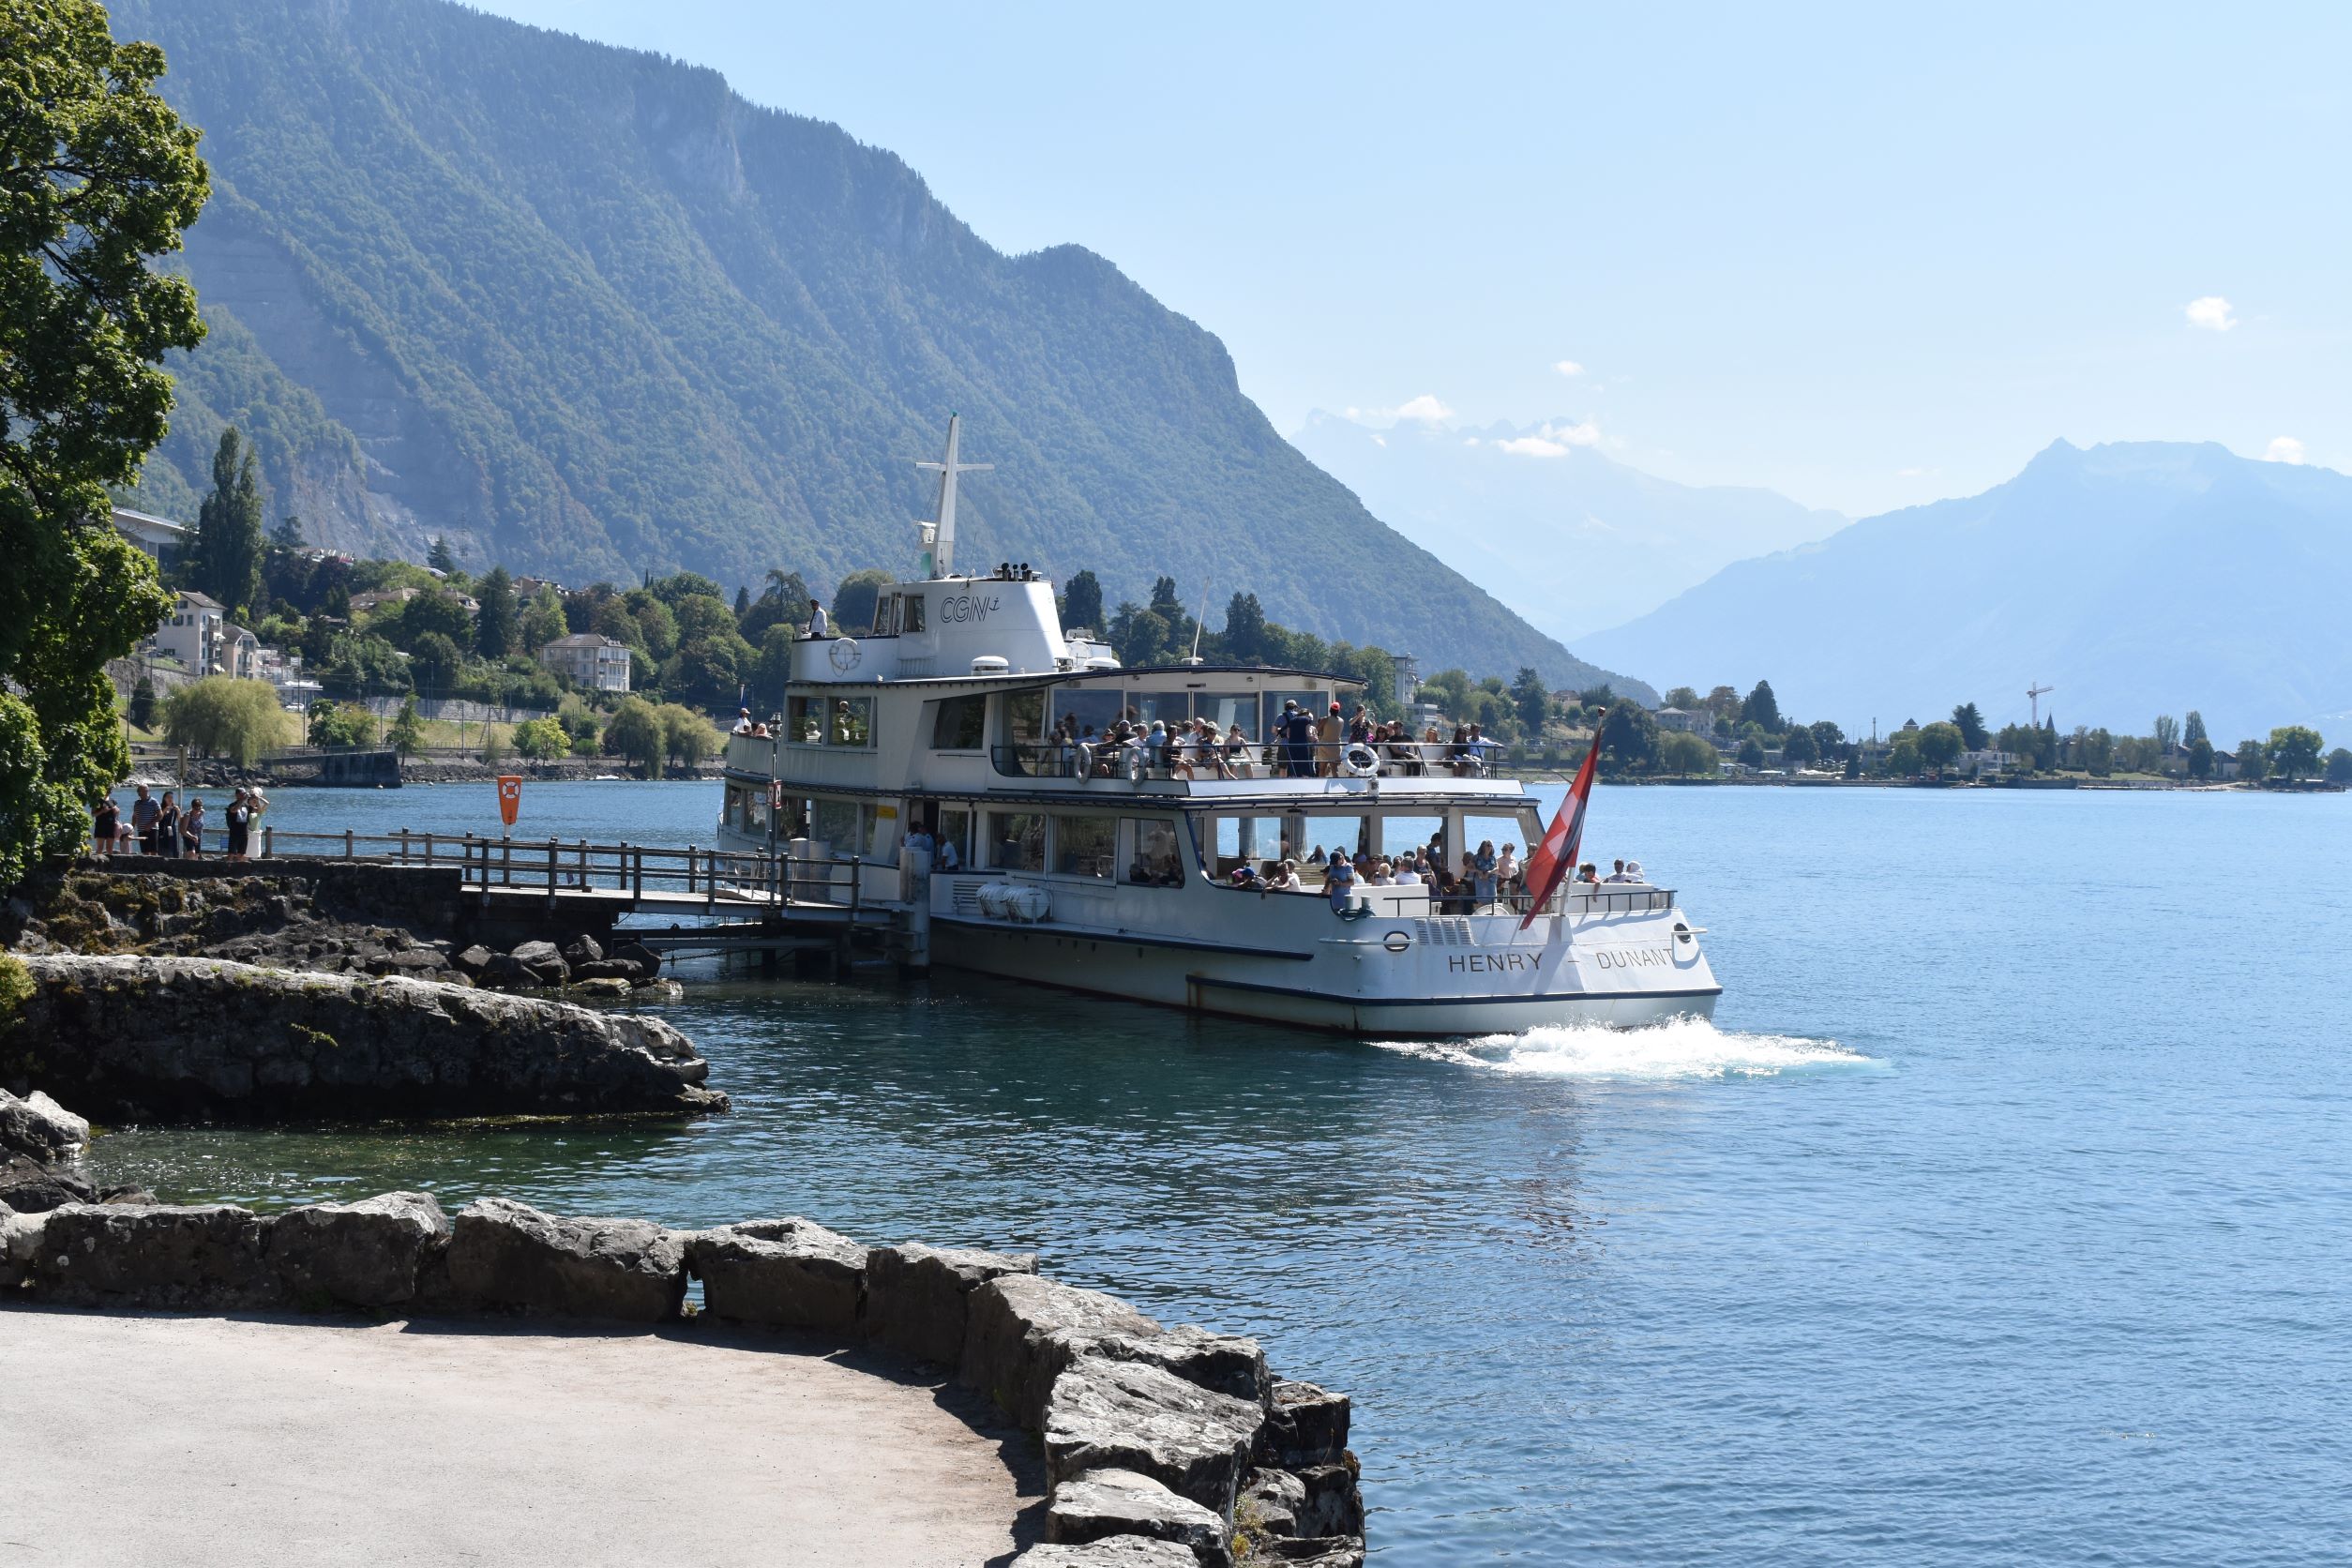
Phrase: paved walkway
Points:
(247, 1441)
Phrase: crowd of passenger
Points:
(161, 826)
(1303, 746)
(1485, 881)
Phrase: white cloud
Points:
(1470, 440)
(2284, 448)
(1552, 441)
(1427, 409)
(1567, 367)
(2212, 313)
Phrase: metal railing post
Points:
(550, 870)
(347, 844)
(404, 846)
(267, 844)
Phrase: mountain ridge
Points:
(2137, 578)
(588, 311)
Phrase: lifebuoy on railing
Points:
(1130, 765)
(1360, 760)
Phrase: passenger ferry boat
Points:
(1076, 864)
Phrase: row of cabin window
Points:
(1144, 852)
(847, 721)
(960, 723)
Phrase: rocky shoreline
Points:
(1165, 1448)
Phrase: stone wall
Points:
(137, 1038)
(1165, 1447)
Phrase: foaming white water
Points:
(1683, 1049)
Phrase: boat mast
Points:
(938, 537)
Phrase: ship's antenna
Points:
(938, 538)
(1199, 624)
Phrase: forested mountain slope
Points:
(585, 311)
(2138, 579)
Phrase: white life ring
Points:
(1360, 760)
(844, 654)
(1131, 764)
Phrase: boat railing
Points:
(1112, 760)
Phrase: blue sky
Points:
(1865, 258)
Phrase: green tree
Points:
(542, 622)
(435, 661)
(1828, 741)
(1629, 739)
(2340, 766)
(142, 703)
(438, 557)
(2253, 761)
(1533, 701)
(221, 717)
(686, 737)
(1797, 748)
(636, 733)
(853, 601)
(2200, 758)
(1751, 753)
(1243, 639)
(334, 725)
(433, 613)
(498, 629)
(2167, 734)
(784, 602)
(2294, 751)
(1939, 743)
(1903, 760)
(97, 177)
(542, 738)
(407, 734)
(772, 668)
(1082, 603)
(1684, 697)
(1683, 754)
(1762, 708)
(228, 557)
(1722, 705)
(287, 535)
(1971, 723)
(2193, 730)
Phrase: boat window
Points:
(911, 617)
(1230, 708)
(952, 830)
(840, 826)
(1025, 718)
(885, 615)
(1094, 711)
(1155, 857)
(960, 724)
(805, 720)
(1085, 846)
(1233, 840)
(1144, 708)
(851, 722)
(1017, 840)
(1346, 836)
(1401, 835)
(1519, 830)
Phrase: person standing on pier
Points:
(240, 824)
(142, 814)
(192, 827)
(166, 832)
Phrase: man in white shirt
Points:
(1405, 875)
(1619, 875)
(817, 624)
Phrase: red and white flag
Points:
(1556, 856)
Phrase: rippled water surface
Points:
(2001, 1216)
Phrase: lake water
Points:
(2002, 1216)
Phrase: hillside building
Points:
(590, 659)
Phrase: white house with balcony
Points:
(192, 633)
(590, 660)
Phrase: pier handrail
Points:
(720, 879)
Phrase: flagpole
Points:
(1555, 857)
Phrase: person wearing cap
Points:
(1327, 735)
(742, 721)
(1298, 727)
(1339, 881)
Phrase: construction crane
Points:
(2034, 694)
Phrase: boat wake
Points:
(1683, 1049)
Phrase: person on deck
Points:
(817, 626)
(143, 815)
(1327, 738)
(1297, 739)
(1339, 881)
(240, 817)
(1618, 874)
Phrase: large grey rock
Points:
(1335, 1501)
(583, 949)
(1108, 1503)
(648, 962)
(199, 1257)
(1117, 1551)
(20, 1245)
(1304, 1425)
(39, 1128)
(472, 960)
(1124, 1416)
(28, 1187)
(1222, 1362)
(542, 959)
(917, 1297)
(1270, 1502)
(1022, 1330)
(781, 1272)
(366, 1254)
(505, 1253)
(161, 1038)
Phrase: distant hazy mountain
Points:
(1564, 535)
(583, 309)
(2137, 579)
